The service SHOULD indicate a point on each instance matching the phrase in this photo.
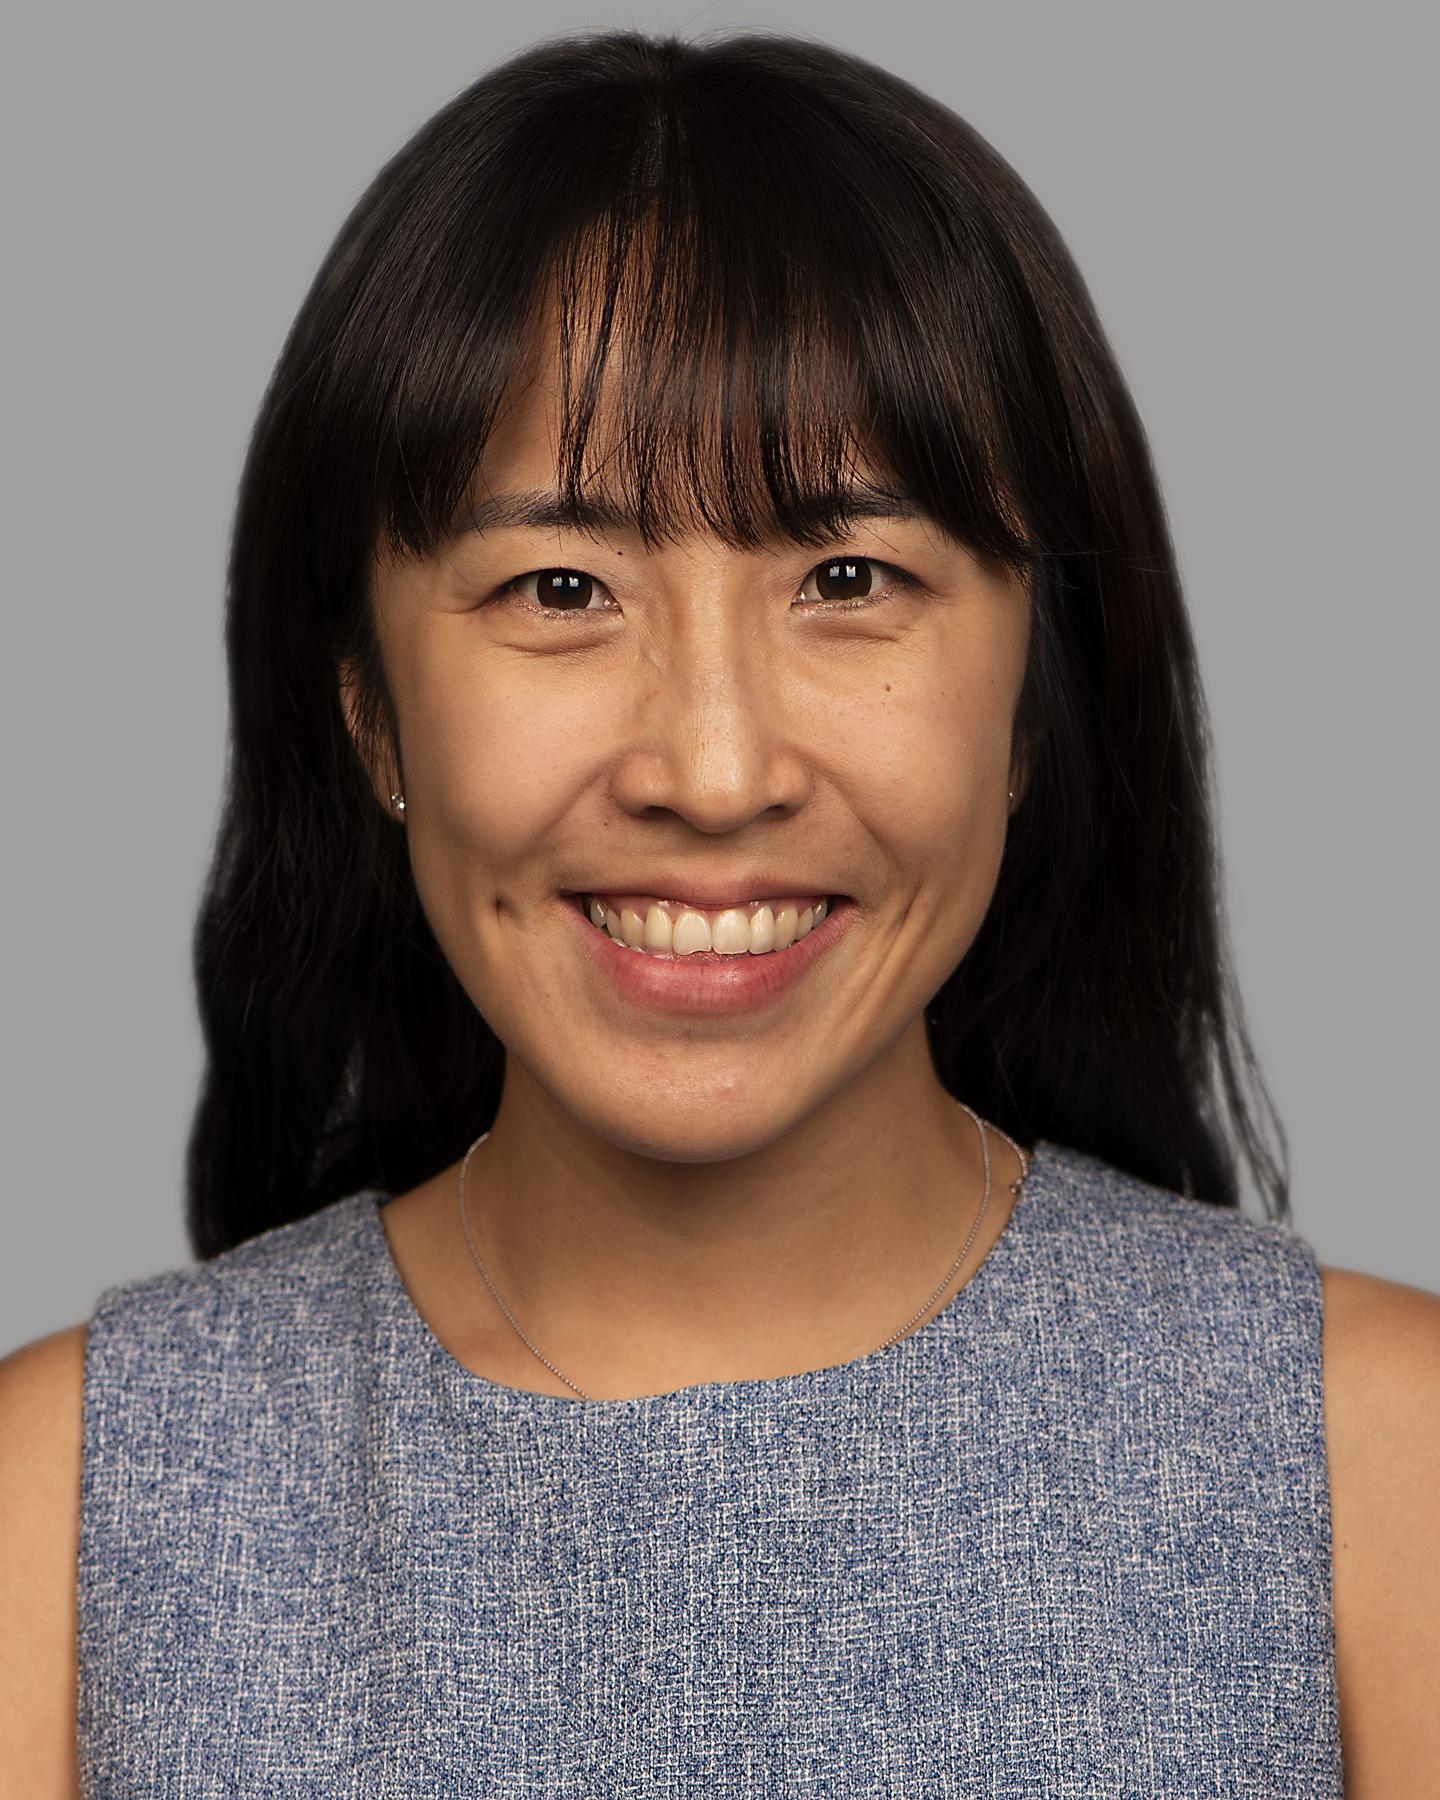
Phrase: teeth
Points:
(734, 932)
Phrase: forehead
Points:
(519, 480)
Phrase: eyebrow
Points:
(543, 509)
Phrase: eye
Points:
(559, 592)
(847, 581)
(843, 582)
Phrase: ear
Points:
(378, 761)
(1019, 778)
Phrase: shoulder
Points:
(1163, 1262)
(1381, 1356)
(152, 1350)
(274, 1292)
(41, 1399)
(1122, 1207)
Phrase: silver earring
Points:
(1012, 793)
(398, 802)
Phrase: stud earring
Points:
(398, 802)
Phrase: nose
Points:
(714, 733)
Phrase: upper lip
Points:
(715, 894)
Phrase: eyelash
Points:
(903, 583)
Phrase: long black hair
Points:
(804, 253)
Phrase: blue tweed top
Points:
(1070, 1537)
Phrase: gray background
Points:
(1248, 192)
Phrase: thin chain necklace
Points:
(984, 1130)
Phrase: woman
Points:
(718, 819)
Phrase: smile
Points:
(670, 929)
(708, 969)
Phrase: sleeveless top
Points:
(1070, 1537)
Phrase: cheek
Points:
(931, 758)
(491, 764)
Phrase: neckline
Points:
(413, 1330)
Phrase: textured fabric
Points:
(1071, 1537)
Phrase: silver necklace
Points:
(984, 1130)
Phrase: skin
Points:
(668, 1201)
(745, 1198)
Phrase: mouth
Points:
(671, 929)
(727, 962)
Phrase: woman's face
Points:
(704, 724)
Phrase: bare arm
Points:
(41, 1389)
(1382, 1424)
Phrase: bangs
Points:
(747, 269)
(747, 300)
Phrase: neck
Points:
(638, 1275)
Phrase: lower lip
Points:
(707, 982)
